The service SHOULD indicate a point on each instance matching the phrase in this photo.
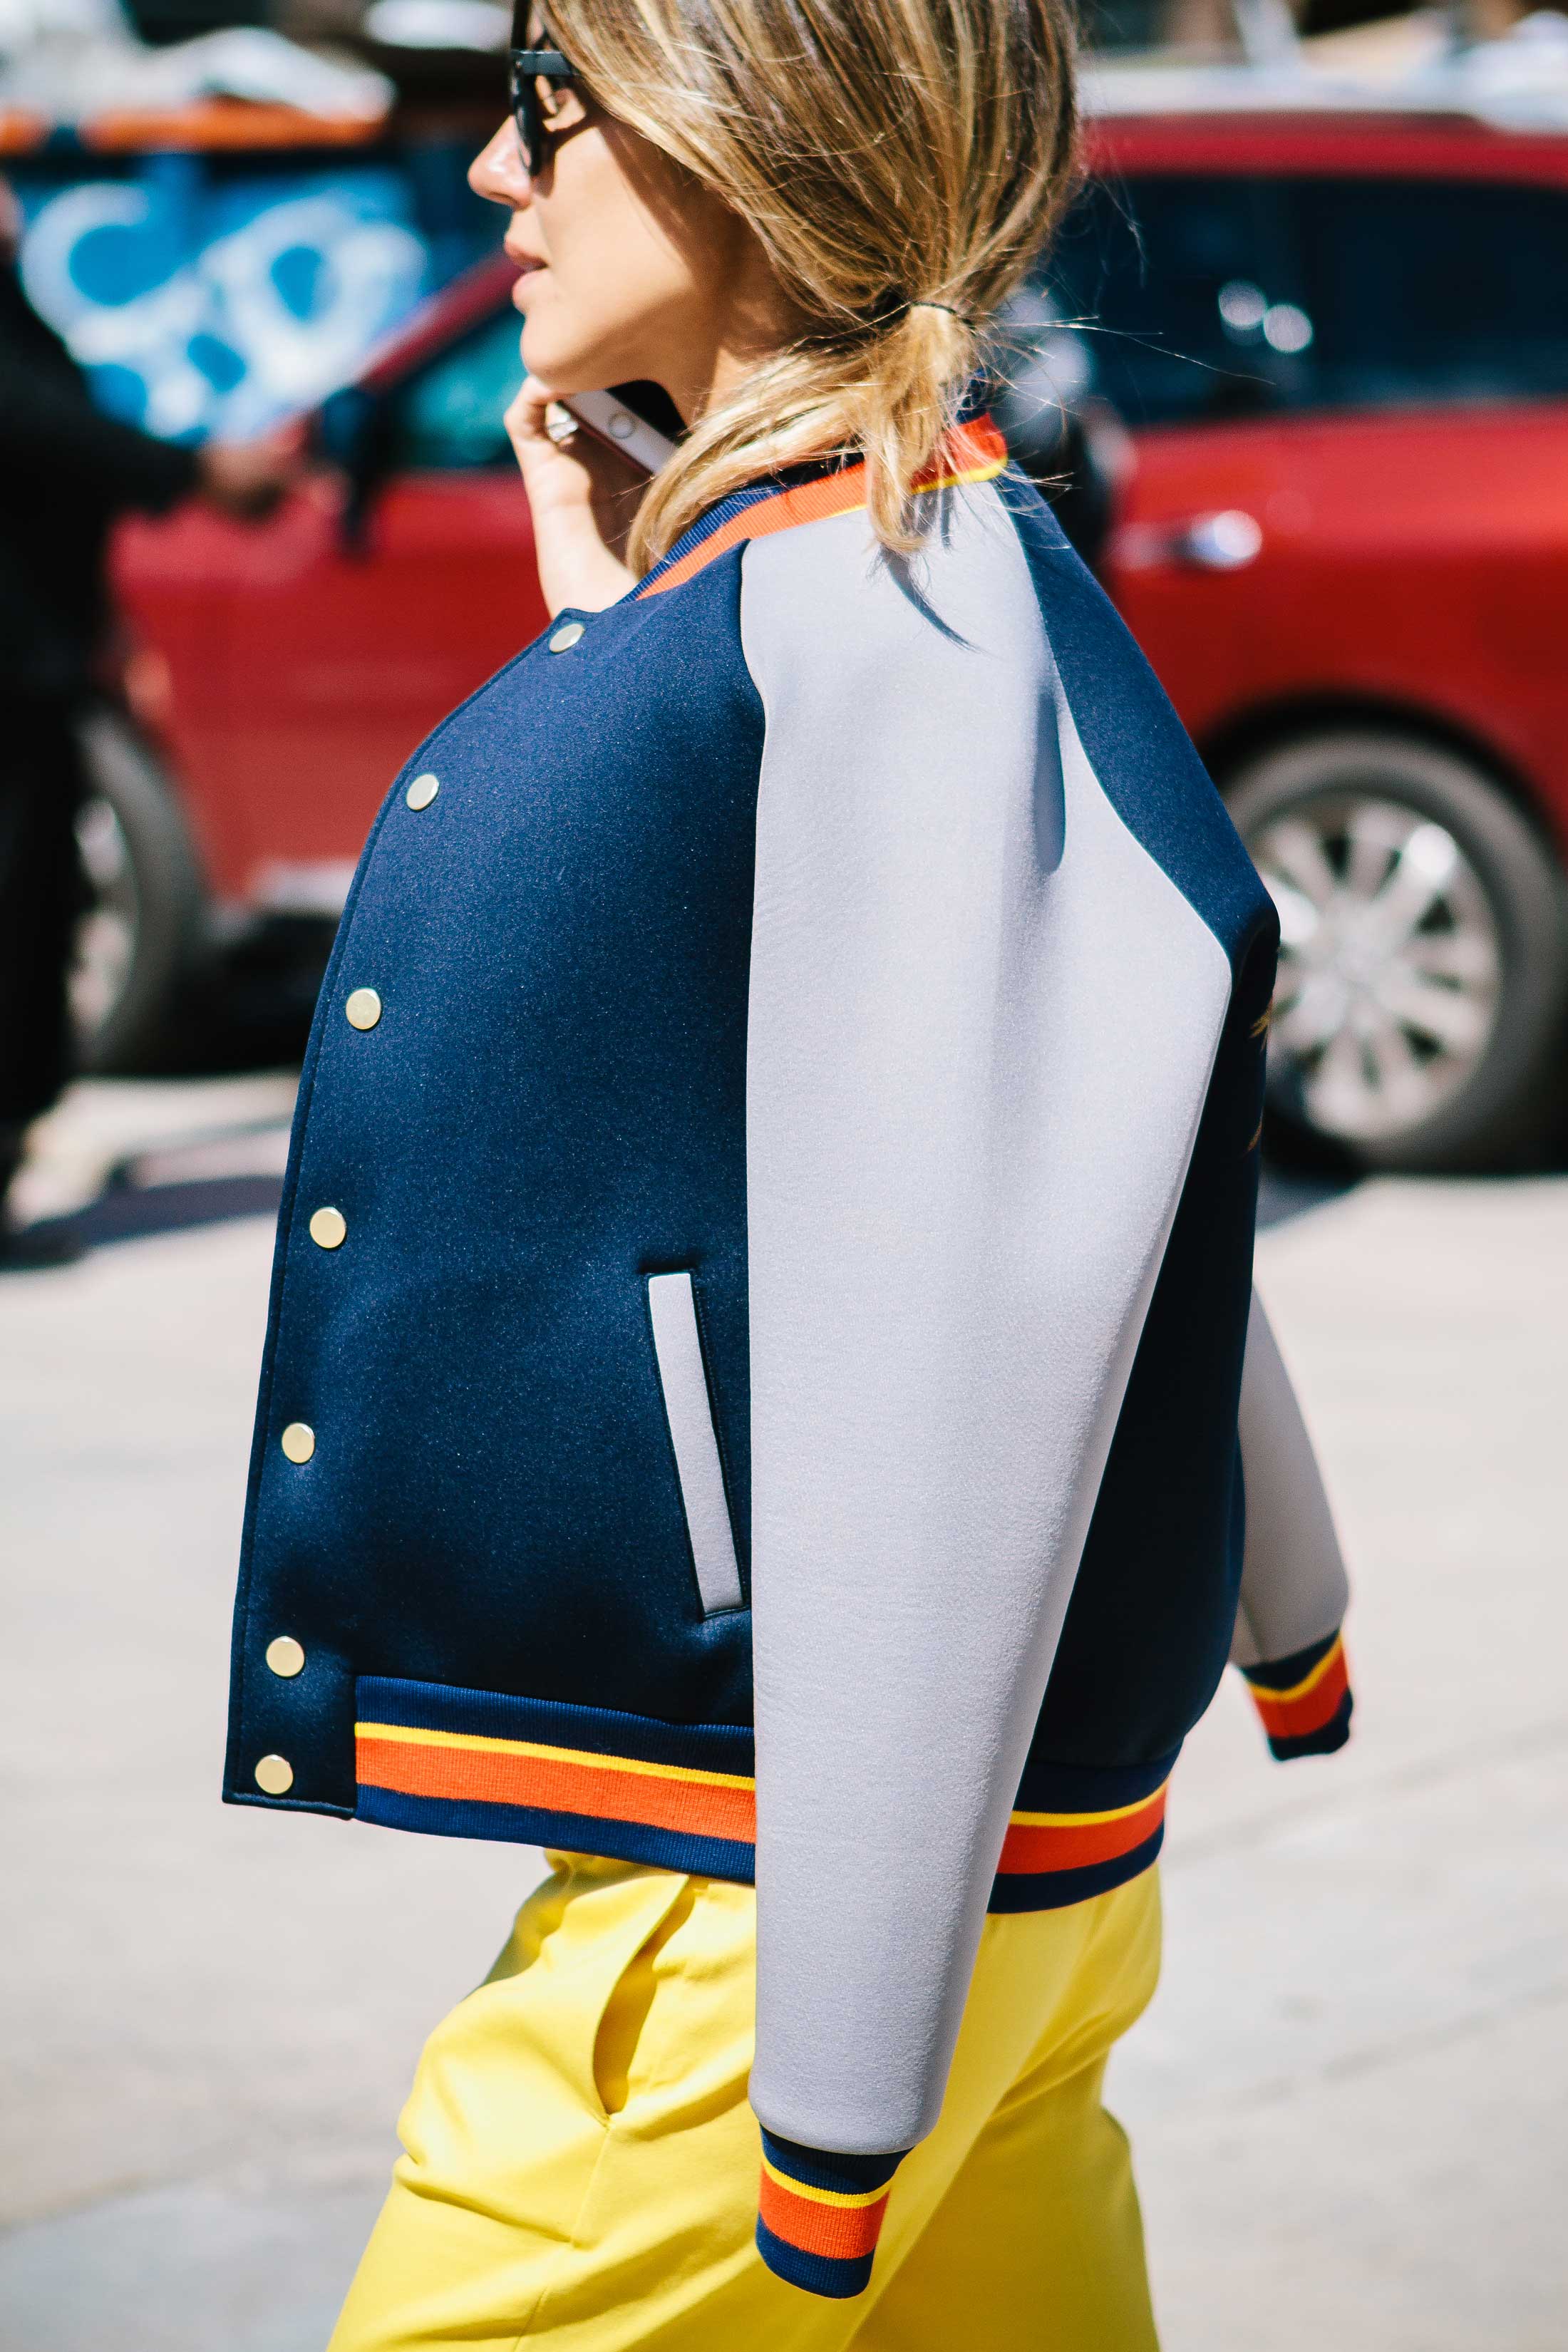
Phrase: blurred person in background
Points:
(763, 1315)
(66, 472)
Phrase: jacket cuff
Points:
(819, 2215)
(1304, 1700)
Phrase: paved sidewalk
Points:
(1348, 2101)
(1351, 2098)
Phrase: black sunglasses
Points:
(529, 68)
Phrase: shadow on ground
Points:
(209, 1175)
(127, 1210)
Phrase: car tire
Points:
(139, 936)
(1483, 959)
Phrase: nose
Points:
(498, 173)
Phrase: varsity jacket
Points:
(760, 1326)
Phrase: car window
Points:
(447, 415)
(1168, 274)
(1165, 28)
(1431, 289)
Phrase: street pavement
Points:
(1348, 2102)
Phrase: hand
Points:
(584, 497)
(247, 479)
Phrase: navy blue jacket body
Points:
(762, 1283)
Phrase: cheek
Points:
(614, 285)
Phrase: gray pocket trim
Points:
(678, 1345)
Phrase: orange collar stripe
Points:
(971, 453)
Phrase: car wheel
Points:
(1423, 952)
(139, 931)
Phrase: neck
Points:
(749, 320)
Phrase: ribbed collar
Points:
(973, 451)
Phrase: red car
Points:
(1340, 347)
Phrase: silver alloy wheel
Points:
(106, 934)
(1390, 963)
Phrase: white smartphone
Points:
(611, 421)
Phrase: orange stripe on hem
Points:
(971, 453)
(553, 1785)
(1313, 1702)
(842, 2233)
(468, 1769)
(1032, 1847)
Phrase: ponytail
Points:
(901, 163)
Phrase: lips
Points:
(527, 267)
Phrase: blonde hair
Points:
(900, 161)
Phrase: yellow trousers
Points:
(580, 2163)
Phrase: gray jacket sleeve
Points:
(966, 1140)
(1294, 1588)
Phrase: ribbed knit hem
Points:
(820, 2214)
(1304, 1701)
(587, 1779)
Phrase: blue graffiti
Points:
(217, 308)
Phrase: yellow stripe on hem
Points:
(854, 2199)
(1310, 1682)
(1082, 1821)
(413, 1737)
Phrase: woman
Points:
(763, 1278)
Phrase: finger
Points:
(525, 419)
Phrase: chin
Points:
(571, 363)
(561, 365)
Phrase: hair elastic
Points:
(895, 305)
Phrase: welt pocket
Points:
(683, 1379)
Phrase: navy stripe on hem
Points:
(1047, 1787)
(723, 1858)
(836, 2275)
(556, 1723)
(821, 2167)
(1332, 1734)
(1055, 1890)
(1284, 1674)
(661, 1849)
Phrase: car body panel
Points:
(1388, 146)
(306, 661)
(1368, 588)
(1412, 560)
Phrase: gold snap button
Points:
(299, 1441)
(422, 792)
(275, 1775)
(285, 1656)
(364, 1009)
(329, 1228)
(565, 636)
